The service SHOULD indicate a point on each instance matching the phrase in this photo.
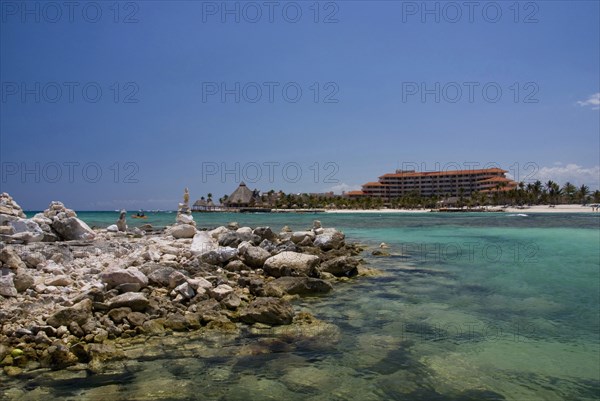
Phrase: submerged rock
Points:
(380, 252)
(296, 285)
(58, 356)
(100, 354)
(268, 310)
(341, 266)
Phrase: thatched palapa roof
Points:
(242, 196)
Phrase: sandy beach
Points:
(527, 209)
(556, 209)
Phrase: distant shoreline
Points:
(493, 209)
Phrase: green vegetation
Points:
(523, 194)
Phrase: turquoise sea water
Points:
(470, 306)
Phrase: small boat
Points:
(139, 215)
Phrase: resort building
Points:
(243, 197)
(436, 183)
(202, 205)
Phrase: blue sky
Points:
(108, 108)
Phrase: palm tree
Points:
(478, 198)
(536, 191)
(496, 198)
(583, 193)
(461, 197)
(557, 192)
(553, 191)
(569, 191)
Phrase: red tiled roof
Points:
(375, 184)
(496, 179)
(355, 193)
(449, 172)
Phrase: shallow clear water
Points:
(470, 306)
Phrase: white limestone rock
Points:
(220, 292)
(200, 282)
(182, 231)
(186, 290)
(59, 281)
(292, 264)
(7, 286)
(218, 231)
(112, 228)
(203, 243)
(330, 239)
(299, 236)
(244, 230)
(27, 230)
(187, 219)
(72, 228)
(9, 207)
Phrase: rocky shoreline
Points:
(75, 298)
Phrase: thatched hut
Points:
(243, 197)
(200, 205)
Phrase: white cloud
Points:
(343, 187)
(573, 173)
(592, 100)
